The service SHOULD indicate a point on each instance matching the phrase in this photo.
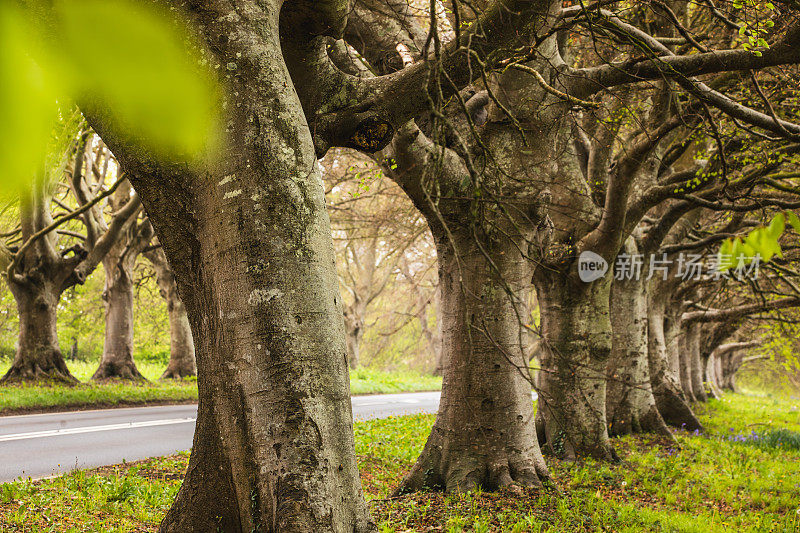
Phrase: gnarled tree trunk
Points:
(484, 433)
(670, 400)
(249, 241)
(630, 406)
(575, 348)
(38, 355)
(181, 344)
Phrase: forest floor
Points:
(743, 474)
(23, 399)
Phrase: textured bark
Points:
(181, 344)
(38, 355)
(576, 344)
(249, 241)
(670, 400)
(484, 433)
(630, 406)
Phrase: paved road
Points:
(48, 444)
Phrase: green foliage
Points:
(120, 56)
(762, 242)
(713, 484)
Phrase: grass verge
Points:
(718, 482)
(18, 399)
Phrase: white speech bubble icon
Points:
(591, 267)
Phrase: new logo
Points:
(591, 266)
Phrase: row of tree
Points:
(528, 135)
(68, 223)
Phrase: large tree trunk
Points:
(38, 354)
(484, 433)
(249, 241)
(117, 360)
(630, 406)
(575, 347)
(181, 345)
(670, 400)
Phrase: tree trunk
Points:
(729, 373)
(695, 363)
(484, 433)
(685, 364)
(575, 347)
(181, 345)
(249, 241)
(630, 406)
(710, 377)
(354, 331)
(117, 360)
(38, 355)
(670, 400)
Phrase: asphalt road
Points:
(49, 444)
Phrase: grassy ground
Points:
(743, 475)
(27, 398)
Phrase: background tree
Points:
(48, 260)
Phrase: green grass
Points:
(17, 398)
(715, 483)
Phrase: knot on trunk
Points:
(371, 134)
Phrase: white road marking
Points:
(92, 429)
(370, 403)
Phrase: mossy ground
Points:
(742, 475)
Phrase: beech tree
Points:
(249, 240)
(118, 263)
(182, 361)
(524, 171)
(44, 258)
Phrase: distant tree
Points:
(43, 258)
(181, 344)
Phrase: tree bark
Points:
(249, 241)
(38, 355)
(670, 400)
(630, 406)
(575, 347)
(181, 344)
(484, 433)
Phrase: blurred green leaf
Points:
(135, 62)
(794, 220)
(27, 104)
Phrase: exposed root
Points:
(124, 371)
